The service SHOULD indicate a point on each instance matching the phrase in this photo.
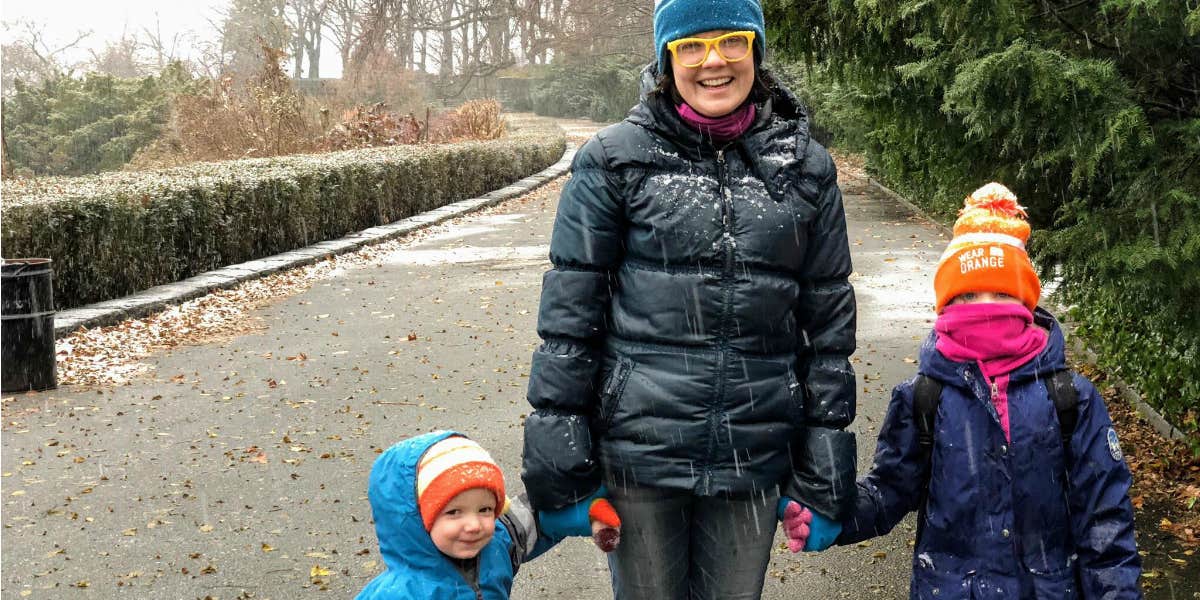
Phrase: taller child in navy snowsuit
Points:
(1013, 510)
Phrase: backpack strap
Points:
(1066, 403)
(927, 395)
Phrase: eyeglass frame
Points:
(711, 44)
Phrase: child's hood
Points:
(403, 541)
(1052, 358)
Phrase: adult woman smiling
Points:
(698, 321)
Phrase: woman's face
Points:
(715, 88)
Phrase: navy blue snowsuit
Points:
(1005, 519)
(698, 319)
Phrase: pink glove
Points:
(796, 520)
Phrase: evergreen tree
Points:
(1088, 109)
(69, 126)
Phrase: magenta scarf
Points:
(999, 337)
(720, 129)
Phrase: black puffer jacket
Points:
(698, 321)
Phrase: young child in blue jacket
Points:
(1008, 507)
(447, 530)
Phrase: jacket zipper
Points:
(727, 239)
(726, 212)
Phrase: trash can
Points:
(27, 325)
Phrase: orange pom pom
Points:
(992, 209)
(996, 199)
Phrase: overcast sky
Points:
(63, 19)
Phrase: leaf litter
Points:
(116, 354)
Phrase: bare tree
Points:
(465, 39)
(248, 27)
(31, 56)
(162, 51)
(119, 58)
(306, 21)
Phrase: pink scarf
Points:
(720, 129)
(998, 336)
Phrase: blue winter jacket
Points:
(997, 523)
(416, 569)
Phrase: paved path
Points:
(239, 469)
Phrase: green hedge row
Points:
(114, 234)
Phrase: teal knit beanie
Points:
(674, 19)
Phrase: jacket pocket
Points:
(1055, 584)
(930, 583)
(612, 390)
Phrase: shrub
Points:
(116, 233)
(479, 120)
(263, 116)
(363, 127)
(600, 89)
(68, 126)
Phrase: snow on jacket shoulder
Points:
(416, 569)
(997, 523)
(698, 320)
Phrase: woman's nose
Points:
(713, 58)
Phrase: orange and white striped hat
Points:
(451, 467)
(987, 253)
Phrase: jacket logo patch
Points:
(1114, 447)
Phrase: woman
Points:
(698, 321)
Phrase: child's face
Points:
(978, 297)
(466, 524)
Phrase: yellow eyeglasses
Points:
(731, 47)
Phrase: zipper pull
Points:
(721, 156)
(995, 391)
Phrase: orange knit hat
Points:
(987, 253)
(451, 467)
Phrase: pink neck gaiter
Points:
(720, 129)
(999, 337)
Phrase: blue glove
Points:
(576, 519)
(804, 528)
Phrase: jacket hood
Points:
(403, 541)
(1052, 358)
(776, 141)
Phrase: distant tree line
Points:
(457, 39)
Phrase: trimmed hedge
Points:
(114, 234)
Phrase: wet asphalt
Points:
(238, 469)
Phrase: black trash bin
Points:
(27, 325)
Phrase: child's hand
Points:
(805, 529)
(606, 525)
(592, 516)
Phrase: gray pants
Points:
(678, 546)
